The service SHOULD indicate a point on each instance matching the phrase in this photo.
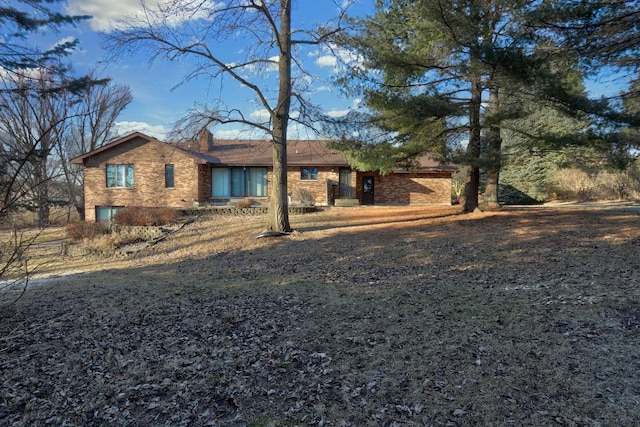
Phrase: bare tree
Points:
(265, 26)
(35, 86)
(31, 123)
(91, 126)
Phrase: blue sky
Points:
(158, 103)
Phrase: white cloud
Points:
(156, 131)
(350, 58)
(109, 15)
(10, 77)
(341, 113)
(347, 4)
(324, 88)
(273, 66)
(335, 57)
(338, 113)
(227, 134)
(246, 133)
(261, 115)
(258, 68)
(326, 61)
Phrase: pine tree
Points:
(17, 22)
(428, 68)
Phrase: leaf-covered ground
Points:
(362, 317)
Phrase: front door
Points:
(344, 191)
(367, 190)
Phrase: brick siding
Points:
(148, 159)
(321, 188)
(409, 188)
(193, 181)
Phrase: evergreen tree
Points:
(23, 18)
(607, 32)
(428, 68)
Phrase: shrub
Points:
(573, 184)
(303, 196)
(615, 185)
(244, 203)
(86, 230)
(576, 184)
(145, 216)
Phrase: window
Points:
(120, 176)
(168, 176)
(239, 182)
(221, 185)
(307, 174)
(106, 213)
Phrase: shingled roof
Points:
(259, 153)
(246, 152)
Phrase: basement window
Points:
(106, 213)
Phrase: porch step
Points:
(347, 202)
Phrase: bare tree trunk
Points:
(42, 187)
(278, 216)
(472, 186)
(490, 195)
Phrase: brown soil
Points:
(363, 316)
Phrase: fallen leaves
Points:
(519, 317)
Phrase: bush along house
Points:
(138, 170)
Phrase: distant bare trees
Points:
(91, 125)
(32, 119)
(42, 127)
(26, 73)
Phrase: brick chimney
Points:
(205, 141)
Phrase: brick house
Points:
(138, 170)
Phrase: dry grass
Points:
(366, 316)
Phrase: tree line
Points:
(487, 81)
(48, 114)
(482, 83)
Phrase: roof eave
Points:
(79, 160)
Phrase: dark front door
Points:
(344, 191)
(367, 190)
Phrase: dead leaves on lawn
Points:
(518, 317)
